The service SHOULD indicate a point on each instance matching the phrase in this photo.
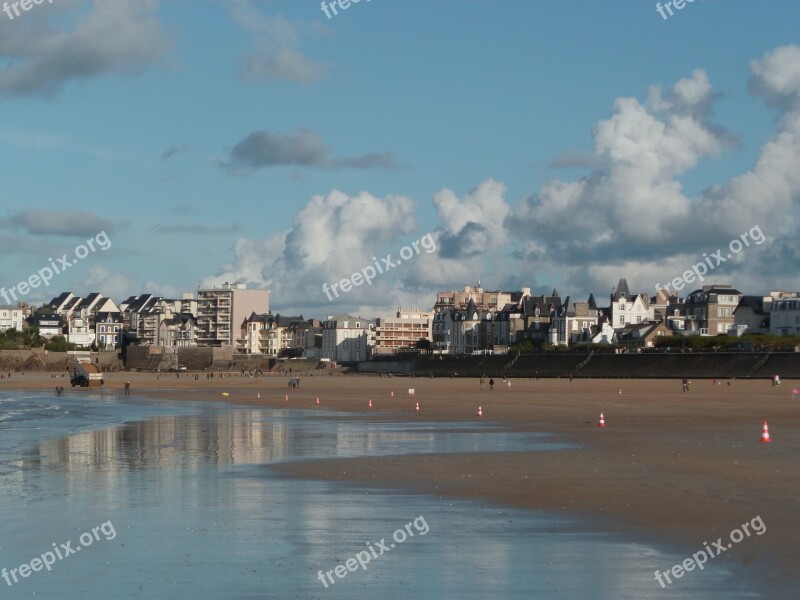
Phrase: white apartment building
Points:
(10, 318)
(222, 310)
(346, 338)
(785, 316)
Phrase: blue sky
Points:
(263, 142)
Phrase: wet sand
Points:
(682, 468)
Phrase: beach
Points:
(681, 468)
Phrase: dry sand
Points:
(679, 467)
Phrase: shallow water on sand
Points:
(195, 514)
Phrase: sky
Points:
(520, 143)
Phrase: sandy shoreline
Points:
(681, 467)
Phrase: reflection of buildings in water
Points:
(352, 442)
(231, 438)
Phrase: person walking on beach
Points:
(491, 384)
(482, 381)
(685, 384)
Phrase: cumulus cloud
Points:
(331, 237)
(473, 224)
(277, 54)
(76, 223)
(45, 51)
(262, 149)
(110, 283)
(629, 216)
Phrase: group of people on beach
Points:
(294, 382)
(506, 380)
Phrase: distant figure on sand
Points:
(686, 383)
(776, 380)
(491, 384)
(482, 381)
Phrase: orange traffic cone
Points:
(765, 439)
(620, 391)
(317, 400)
(417, 407)
(286, 397)
(370, 403)
(602, 422)
(392, 394)
(258, 395)
(480, 411)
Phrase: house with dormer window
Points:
(626, 308)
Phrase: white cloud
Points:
(277, 43)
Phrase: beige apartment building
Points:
(221, 311)
(483, 300)
(710, 310)
(402, 331)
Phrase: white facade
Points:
(10, 318)
(80, 331)
(108, 330)
(628, 311)
(785, 316)
(347, 339)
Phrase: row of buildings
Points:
(468, 321)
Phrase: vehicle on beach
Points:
(85, 374)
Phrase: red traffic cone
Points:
(258, 395)
(317, 400)
(765, 439)
(392, 394)
(620, 391)
(480, 411)
(417, 407)
(286, 397)
(602, 422)
(370, 404)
